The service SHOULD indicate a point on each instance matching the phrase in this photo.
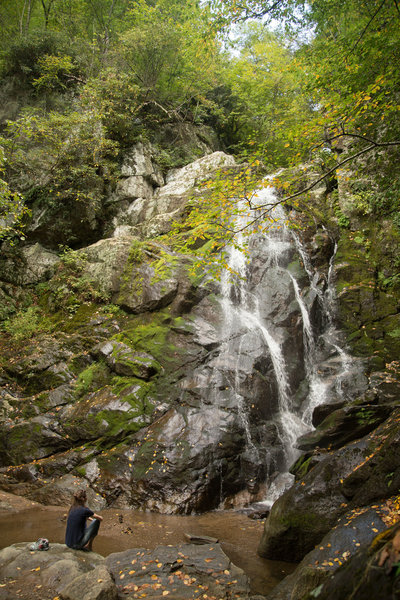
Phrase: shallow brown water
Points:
(238, 535)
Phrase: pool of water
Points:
(238, 535)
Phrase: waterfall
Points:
(246, 312)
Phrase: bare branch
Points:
(366, 27)
(333, 169)
(270, 205)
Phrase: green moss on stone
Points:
(92, 378)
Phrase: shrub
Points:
(26, 323)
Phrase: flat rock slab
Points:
(177, 572)
(182, 572)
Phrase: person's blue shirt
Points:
(76, 524)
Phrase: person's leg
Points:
(90, 533)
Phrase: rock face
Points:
(180, 572)
(355, 530)
(159, 389)
(370, 573)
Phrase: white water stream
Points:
(241, 310)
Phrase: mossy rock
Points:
(125, 361)
(344, 425)
(94, 377)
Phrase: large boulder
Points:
(178, 572)
(31, 265)
(71, 574)
(355, 475)
(151, 214)
(354, 531)
(370, 573)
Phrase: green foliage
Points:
(56, 73)
(23, 57)
(269, 105)
(136, 252)
(169, 51)
(26, 323)
(12, 209)
(66, 157)
(71, 286)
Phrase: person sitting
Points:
(77, 535)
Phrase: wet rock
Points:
(203, 539)
(368, 574)
(322, 411)
(124, 361)
(25, 440)
(59, 492)
(105, 412)
(44, 366)
(356, 475)
(344, 425)
(354, 530)
(179, 570)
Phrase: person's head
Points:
(79, 498)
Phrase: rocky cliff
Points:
(123, 373)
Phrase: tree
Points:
(262, 77)
(12, 208)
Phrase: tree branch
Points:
(366, 27)
(270, 205)
(332, 170)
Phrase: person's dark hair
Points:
(79, 499)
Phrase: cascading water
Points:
(250, 314)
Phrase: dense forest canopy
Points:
(82, 80)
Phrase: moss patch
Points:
(91, 379)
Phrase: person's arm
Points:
(94, 516)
